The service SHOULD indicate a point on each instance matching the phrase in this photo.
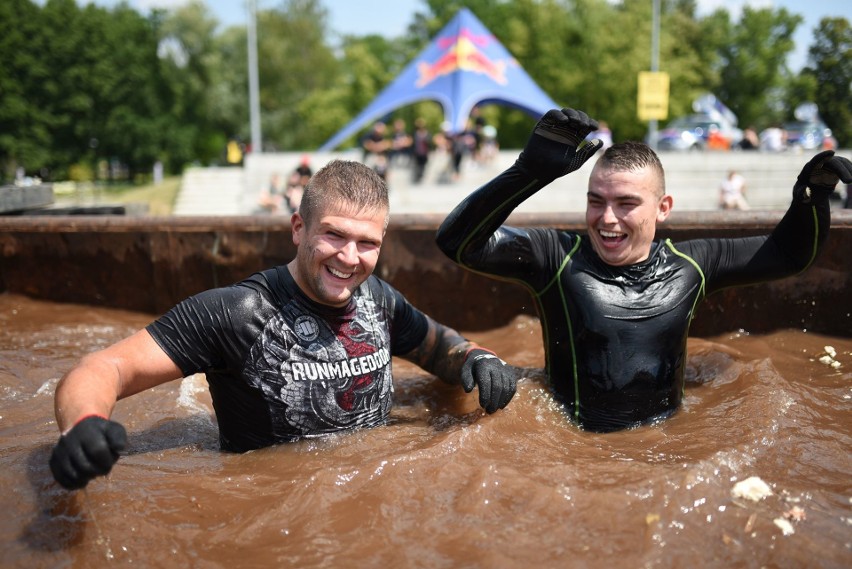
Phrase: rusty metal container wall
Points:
(148, 264)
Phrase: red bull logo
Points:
(462, 52)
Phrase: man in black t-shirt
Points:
(295, 351)
(615, 304)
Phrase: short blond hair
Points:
(344, 182)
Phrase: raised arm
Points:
(556, 147)
(804, 228)
(446, 354)
(85, 397)
(794, 243)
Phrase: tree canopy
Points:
(109, 92)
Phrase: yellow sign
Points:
(653, 99)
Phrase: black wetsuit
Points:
(280, 366)
(615, 337)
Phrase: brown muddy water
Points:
(443, 484)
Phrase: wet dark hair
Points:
(351, 185)
(631, 156)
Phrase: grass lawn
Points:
(160, 198)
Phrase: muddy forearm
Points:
(442, 353)
(91, 388)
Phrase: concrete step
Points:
(210, 191)
(692, 179)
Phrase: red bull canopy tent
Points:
(464, 66)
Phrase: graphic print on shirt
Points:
(323, 376)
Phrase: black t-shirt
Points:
(615, 337)
(280, 366)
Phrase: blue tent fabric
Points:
(464, 66)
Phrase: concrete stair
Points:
(211, 191)
(692, 178)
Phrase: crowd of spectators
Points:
(442, 154)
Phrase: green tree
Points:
(294, 61)
(195, 75)
(830, 65)
(690, 53)
(612, 66)
(91, 93)
(25, 139)
(128, 117)
(753, 64)
(64, 92)
(548, 42)
(226, 98)
(101, 88)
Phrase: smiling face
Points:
(622, 211)
(336, 252)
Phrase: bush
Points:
(81, 172)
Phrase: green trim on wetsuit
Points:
(557, 278)
(700, 296)
(488, 218)
(815, 248)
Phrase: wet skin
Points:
(622, 211)
(336, 252)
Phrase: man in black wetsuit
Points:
(295, 351)
(615, 305)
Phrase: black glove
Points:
(821, 175)
(89, 449)
(558, 144)
(496, 380)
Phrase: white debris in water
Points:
(786, 527)
(752, 488)
(829, 357)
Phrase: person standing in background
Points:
(421, 148)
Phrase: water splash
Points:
(101, 540)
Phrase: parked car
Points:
(808, 135)
(698, 132)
